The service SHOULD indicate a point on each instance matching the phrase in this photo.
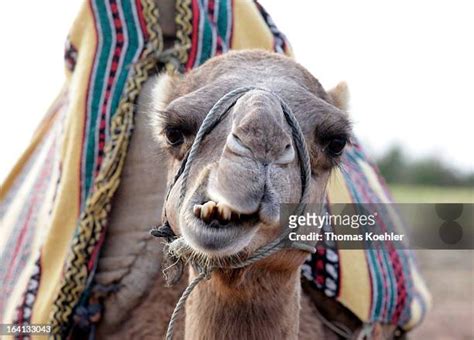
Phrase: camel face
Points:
(247, 165)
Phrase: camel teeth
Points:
(213, 210)
(208, 210)
(197, 210)
(224, 212)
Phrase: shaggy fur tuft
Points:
(179, 253)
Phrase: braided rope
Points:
(180, 305)
(184, 30)
(217, 113)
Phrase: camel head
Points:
(248, 164)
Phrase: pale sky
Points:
(409, 65)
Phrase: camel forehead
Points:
(193, 106)
(258, 109)
(197, 101)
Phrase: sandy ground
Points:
(450, 278)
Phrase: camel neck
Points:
(251, 304)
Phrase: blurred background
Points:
(409, 66)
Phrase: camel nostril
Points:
(287, 155)
(236, 145)
(237, 138)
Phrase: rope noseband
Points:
(217, 113)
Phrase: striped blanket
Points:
(56, 201)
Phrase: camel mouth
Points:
(218, 216)
(215, 230)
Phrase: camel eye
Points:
(336, 145)
(174, 136)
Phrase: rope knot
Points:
(164, 231)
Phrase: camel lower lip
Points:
(216, 239)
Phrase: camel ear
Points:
(340, 96)
(160, 95)
(162, 90)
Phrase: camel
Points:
(246, 166)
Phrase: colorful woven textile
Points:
(57, 199)
(378, 284)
